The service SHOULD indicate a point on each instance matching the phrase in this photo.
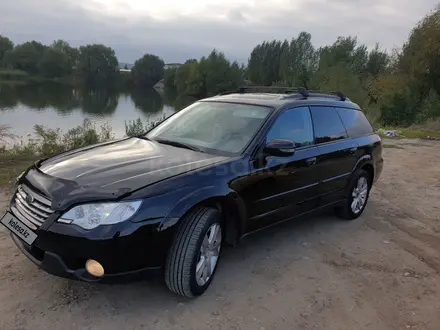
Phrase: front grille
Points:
(31, 208)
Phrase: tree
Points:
(26, 57)
(182, 76)
(378, 62)
(169, 78)
(209, 76)
(276, 62)
(54, 63)
(420, 55)
(6, 45)
(71, 53)
(264, 63)
(218, 74)
(148, 70)
(98, 64)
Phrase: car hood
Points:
(115, 168)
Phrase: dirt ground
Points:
(381, 271)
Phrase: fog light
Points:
(94, 268)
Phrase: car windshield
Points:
(224, 127)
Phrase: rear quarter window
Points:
(355, 122)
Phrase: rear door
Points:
(337, 153)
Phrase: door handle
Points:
(311, 161)
(353, 150)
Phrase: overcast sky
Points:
(180, 29)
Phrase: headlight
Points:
(89, 216)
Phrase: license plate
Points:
(18, 228)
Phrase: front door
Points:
(282, 187)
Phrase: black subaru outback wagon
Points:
(210, 174)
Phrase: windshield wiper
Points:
(143, 137)
(178, 144)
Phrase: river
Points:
(59, 106)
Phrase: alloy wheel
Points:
(209, 253)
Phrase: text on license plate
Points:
(18, 228)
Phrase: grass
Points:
(411, 133)
(11, 167)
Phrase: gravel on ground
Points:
(381, 271)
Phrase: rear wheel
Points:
(357, 198)
(193, 257)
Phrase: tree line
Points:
(94, 65)
(397, 89)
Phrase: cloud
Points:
(177, 30)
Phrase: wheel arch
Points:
(227, 201)
(366, 163)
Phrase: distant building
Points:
(172, 65)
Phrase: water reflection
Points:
(8, 99)
(61, 106)
(148, 101)
(64, 98)
(98, 101)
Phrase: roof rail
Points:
(268, 89)
(341, 95)
(284, 90)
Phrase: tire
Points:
(186, 254)
(347, 211)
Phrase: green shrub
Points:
(134, 127)
(49, 141)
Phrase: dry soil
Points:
(381, 271)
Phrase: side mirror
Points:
(280, 148)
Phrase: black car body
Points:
(254, 188)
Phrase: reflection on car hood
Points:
(124, 165)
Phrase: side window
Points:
(294, 125)
(328, 126)
(355, 122)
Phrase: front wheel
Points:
(194, 254)
(357, 198)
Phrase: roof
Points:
(277, 100)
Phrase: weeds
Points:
(45, 142)
(136, 127)
(5, 133)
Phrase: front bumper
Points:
(126, 250)
(54, 264)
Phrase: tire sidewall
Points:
(195, 288)
(353, 183)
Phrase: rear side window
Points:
(328, 126)
(355, 122)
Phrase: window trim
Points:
(337, 114)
